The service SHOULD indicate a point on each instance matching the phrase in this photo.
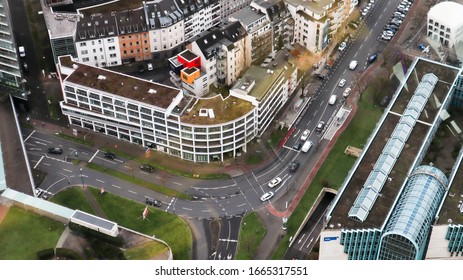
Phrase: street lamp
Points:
(82, 178)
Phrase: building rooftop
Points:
(258, 80)
(316, 6)
(248, 16)
(448, 12)
(60, 24)
(188, 55)
(223, 110)
(408, 157)
(119, 84)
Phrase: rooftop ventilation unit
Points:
(101, 77)
(151, 91)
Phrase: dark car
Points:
(372, 58)
(109, 155)
(320, 76)
(141, 68)
(56, 151)
(293, 166)
(147, 167)
(25, 67)
(153, 202)
(320, 126)
(297, 146)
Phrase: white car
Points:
(342, 46)
(305, 135)
(266, 196)
(342, 83)
(346, 92)
(353, 64)
(22, 51)
(275, 182)
(150, 66)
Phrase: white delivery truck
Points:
(307, 145)
(332, 100)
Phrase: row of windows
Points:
(128, 111)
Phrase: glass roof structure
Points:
(407, 231)
(380, 173)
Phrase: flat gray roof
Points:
(94, 220)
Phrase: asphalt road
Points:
(224, 198)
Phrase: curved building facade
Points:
(406, 232)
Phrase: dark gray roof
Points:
(189, 7)
(101, 25)
(161, 13)
(209, 41)
(94, 220)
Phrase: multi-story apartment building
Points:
(267, 89)
(164, 118)
(10, 64)
(259, 28)
(315, 22)
(229, 7)
(279, 18)
(223, 54)
(166, 29)
(199, 15)
(155, 115)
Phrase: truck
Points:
(307, 145)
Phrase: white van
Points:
(307, 145)
(332, 100)
(22, 51)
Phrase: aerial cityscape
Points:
(231, 130)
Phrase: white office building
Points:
(445, 24)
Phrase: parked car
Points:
(150, 66)
(293, 166)
(320, 126)
(153, 202)
(22, 51)
(342, 46)
(372, 58)
(305, 135)
(25, 67)
(275, 182)
(342, 83)
(147, 167)
(141, 68)
(109, 155)
(346, 92)
(266, 196)
(56, 151)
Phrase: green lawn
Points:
(251, 234)
(73, 198)
(145, 251)
(337, 164)
(24, 233)
(163, 225)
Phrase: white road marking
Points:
(189, 209)
(178, 184)
(67, 170)
(29, 136)
(98, 180)
(115, 186)
(94, 155)
(38, 162)
(130, 191)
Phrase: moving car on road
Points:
(153, 202)
(275, 182)
(109, 155)
(320, 126)
(293, 166)
(56, 151)
(305, 135)
(147, 167)
(266, 196)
